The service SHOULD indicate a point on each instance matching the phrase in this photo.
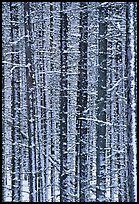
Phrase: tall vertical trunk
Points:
(54, 84)
(83, 100)
(81, 158)
(23, 110)
(6, 98)
(38, 64)
(30, 104)
(118, 122)
(131, 67)
(52, 103)
(3, 141)
(123, 114)
(63, 104)
(92, 61)
(101, 108)
(3, 116)
(112, 134)
(16, 140)
(46, 96)
(120, 148)
(73, 60)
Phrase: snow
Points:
(133, 103)
(116, 84)
(47, 84)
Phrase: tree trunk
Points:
(81, 158)
(131, 67)
(16, 137)
(6, 98)
(101, 110)
(30, 105)
(63, 105)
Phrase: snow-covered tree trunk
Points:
(54, 87)
(30, 104)
(81, 163)
(46, 127)
(131, 68)
(92, 63)
(122, 111)
(16, 136)
(101, 109)
(63, 104)
(73, 58)
(6, 99)
(39, 91)
(23, 109)
(113, 113)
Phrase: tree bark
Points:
(16, 137)
(30, 104)
(63, 104)
(81, 158)
(101, 109)
(131, 67)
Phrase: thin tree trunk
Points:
(81, 158)
(16, 140)
(6, 98)
(112, 134)
(73, 60)
(30, 105)
(63, 105)
(131, 67)
(52, 102)
(101, 110)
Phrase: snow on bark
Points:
(132, 146)
(63, 103)
(16, 139)
(72, 94)
(46, 64)
(101, 114)
(6, 99)
(96, 144)
(30, 103)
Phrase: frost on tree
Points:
(82, 103)
(63, 103)
(131, 68)
(69, 101)
(16, 136)
(30, 104)
(101, 109)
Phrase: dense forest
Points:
(69, 93)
